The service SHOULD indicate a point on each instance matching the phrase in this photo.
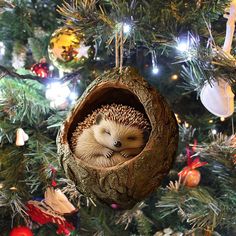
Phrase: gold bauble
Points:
(67, 49)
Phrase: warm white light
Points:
(98, 58)
(174, 77)
(51, 67)
(186, 124)
(57, 90)
(13, 188)
(210, 121)
(222, 119)
(214, 131)
(126, 28)
(183, 46)
(155, 70)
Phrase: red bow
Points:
(41, 217)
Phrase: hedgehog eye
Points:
(131, 138)
(107, 132)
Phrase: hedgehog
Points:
(110, 135)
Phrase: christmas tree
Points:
(50, 53)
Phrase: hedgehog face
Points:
(117, 136)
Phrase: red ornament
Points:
(189, 175)
(192, 178)
(41, 69)
(21, 231)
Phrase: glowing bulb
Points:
(51, 67)
(126, 28)
(214, 131)
(13, 188)
(1, 186)
(98, 58)
(210, 121)
(57, 90)
(174, 77)
(186, 124)
(222, 119)
(183, 46)
(155, 70)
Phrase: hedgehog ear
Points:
(99, 118)
(146, 134)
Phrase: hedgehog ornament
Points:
(112, 173)
(110, 135)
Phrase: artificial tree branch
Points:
(7, 72)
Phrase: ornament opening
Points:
(129, 182)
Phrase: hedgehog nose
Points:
(117, 144)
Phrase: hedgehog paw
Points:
(124, 154)
(108, 153)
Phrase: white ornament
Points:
(21, 137)
(218, 98)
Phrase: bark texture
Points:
(132, 181)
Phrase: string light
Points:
(98, 58)
(214, 131)
(183, 46)
(222, 119)
(210, 121)
(155, 70)
(51, 67)
(13, 188)
(186, 124)
(174, 77)
(126, 28)
(1, 186)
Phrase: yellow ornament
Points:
(67, 49)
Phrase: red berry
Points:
(21, 231)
